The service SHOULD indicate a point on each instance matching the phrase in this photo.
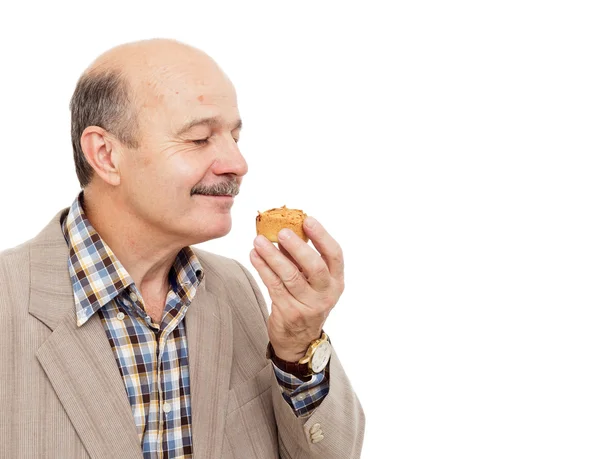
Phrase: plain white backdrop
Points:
(452, 148)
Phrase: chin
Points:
(216, 229)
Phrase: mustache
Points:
(228, 188)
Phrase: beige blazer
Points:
(62, 395)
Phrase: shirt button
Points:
(301, 397)
(133, 297)
(120, 316)
(167, 407)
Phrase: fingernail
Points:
(310, 222)
(261, 241)
(285, 234)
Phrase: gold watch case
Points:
(319, 349)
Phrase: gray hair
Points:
(103, 99)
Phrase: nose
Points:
(230, 159)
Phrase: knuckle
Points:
(320, 269)
(327, 302)
(276, 287)
(293, 278)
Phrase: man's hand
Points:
(304, 286)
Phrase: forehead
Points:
(175, 94)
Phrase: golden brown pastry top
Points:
(270, 222)
(292, 215)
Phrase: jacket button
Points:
(317, 438)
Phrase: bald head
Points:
(150, 63)
(149, 52)
(128, 83)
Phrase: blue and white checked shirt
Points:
(153, 357)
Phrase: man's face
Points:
(189, 126)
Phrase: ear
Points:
(101, 153)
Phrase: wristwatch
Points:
(314, 361)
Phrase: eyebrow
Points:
(212, 121)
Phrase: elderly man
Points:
(122, 341)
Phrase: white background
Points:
(452, 148)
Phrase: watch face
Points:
(321, 357)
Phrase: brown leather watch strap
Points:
(299, 370)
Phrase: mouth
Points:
(216, 196)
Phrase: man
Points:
(122, 341)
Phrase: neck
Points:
(146, 254)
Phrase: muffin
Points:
(270, 222)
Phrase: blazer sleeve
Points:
(339, 419)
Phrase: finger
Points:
(313, 266)
(286, 311)
(283, 250)
(327, 246)
(287, 271)
(274, 284)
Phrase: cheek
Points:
(136, 171)
(187, 169)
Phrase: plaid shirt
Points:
(153, 357)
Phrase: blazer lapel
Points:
(79, 361)
(210, 349)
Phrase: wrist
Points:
(306, 364)
(293, 351)
(289, 355)
(293, 367)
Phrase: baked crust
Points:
(270, 222)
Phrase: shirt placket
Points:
(159, 340)
(166, 335)
(160, 383)
(162, 336)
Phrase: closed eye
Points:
(201, 141)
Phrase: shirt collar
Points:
(186, 274)
(98, 276)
